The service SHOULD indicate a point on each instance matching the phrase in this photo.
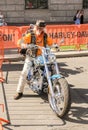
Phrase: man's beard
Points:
(38, 32)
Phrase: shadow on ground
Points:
(12, 67)
(78, 112)
(66, 72)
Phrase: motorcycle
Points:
(45, 77)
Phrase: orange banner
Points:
(9, 36)
(72, 34)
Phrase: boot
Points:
(18, 96)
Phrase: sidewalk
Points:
(13, 55)
(66, 54)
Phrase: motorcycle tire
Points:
(61, 102)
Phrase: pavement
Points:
(75, 53)
(13, 55)
(32, 113)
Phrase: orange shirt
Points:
(39, 40)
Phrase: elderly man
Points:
(39, 38)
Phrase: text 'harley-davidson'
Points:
(45, 77)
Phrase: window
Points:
(85, 4)
(36, 4)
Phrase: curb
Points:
(15, 56)
(68, 54)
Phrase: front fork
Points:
(49, 77)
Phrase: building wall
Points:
(59, 11)
(64, 10)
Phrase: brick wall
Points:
(59, 11)
(63, 10)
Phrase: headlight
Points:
(47, 50)
(51, 58)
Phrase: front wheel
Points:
(61, 101)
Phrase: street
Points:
(76, 72)
(34, 113)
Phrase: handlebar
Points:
(33, 46)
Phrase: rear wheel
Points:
(60, 103)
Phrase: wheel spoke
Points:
(60, 102)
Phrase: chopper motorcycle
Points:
(45, 77)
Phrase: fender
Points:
(56, 76)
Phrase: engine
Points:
(34, 79)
